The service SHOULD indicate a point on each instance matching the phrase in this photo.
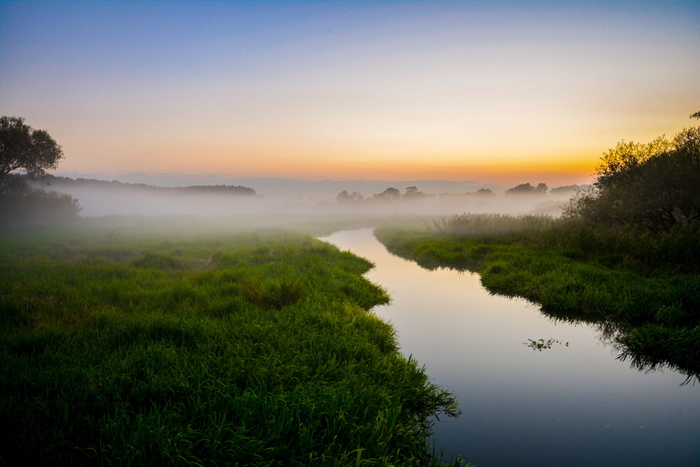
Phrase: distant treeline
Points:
(65, 182)
(412, 193)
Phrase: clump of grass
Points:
(250, 349)
(157, 261)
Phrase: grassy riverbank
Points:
(645, 289)
(125, 347)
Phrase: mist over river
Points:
(570, 402)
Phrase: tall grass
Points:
(120, 348)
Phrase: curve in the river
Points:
(532, 391)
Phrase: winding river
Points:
(565, 402)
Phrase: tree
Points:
(620, 162)
(388, 194)
(412, 192)
(344, 197)
(24, 148)
(654, 186)
(527, 189)
(33, 151)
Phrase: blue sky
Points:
(494, 91)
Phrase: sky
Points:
(494, 92)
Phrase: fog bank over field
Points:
(275, 197)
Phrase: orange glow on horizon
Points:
(312, 166)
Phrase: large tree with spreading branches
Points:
(26, 149)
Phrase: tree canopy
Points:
(527, 189)
(24, 148)
(32, 151)
(653, 186)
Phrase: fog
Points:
(354, 198)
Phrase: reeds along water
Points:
(619, 276)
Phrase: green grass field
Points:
(126, 345)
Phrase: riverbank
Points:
(124, 346)
(651, 312)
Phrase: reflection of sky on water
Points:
(568, 405)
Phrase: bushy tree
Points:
(21, 205)
(390, 193)
(527, 189)
(413, 193)
(653, 186)
(354, 197)
(24, 148)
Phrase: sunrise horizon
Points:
(496, 92)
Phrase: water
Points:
(572, 404)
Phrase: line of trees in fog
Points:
(393, 194)
(25, 156)
(412, 193)
(527, 189)
(65, 182)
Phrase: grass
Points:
(126, 347)
(625, 280)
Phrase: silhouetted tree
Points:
(388, 194)
(527, 189)
(344, 197)
(24, 148)
(654, 186)
(412, 192)
(33, 151)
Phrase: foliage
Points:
(388, 194)
(527, 189)
(653, 186)
(22, 205)
(252, 348)
(34, 151)
(65, 182)
(354, 197)
(24, 148)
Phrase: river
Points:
(570, 403)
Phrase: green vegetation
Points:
(654, 187)
(32, 151)
(617, 278)
(129, 347)
(625, 254)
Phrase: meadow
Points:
(144, 344)
(642, 288)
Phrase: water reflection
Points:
(612, 334)
(567, 405)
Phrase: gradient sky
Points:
(496, 92)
